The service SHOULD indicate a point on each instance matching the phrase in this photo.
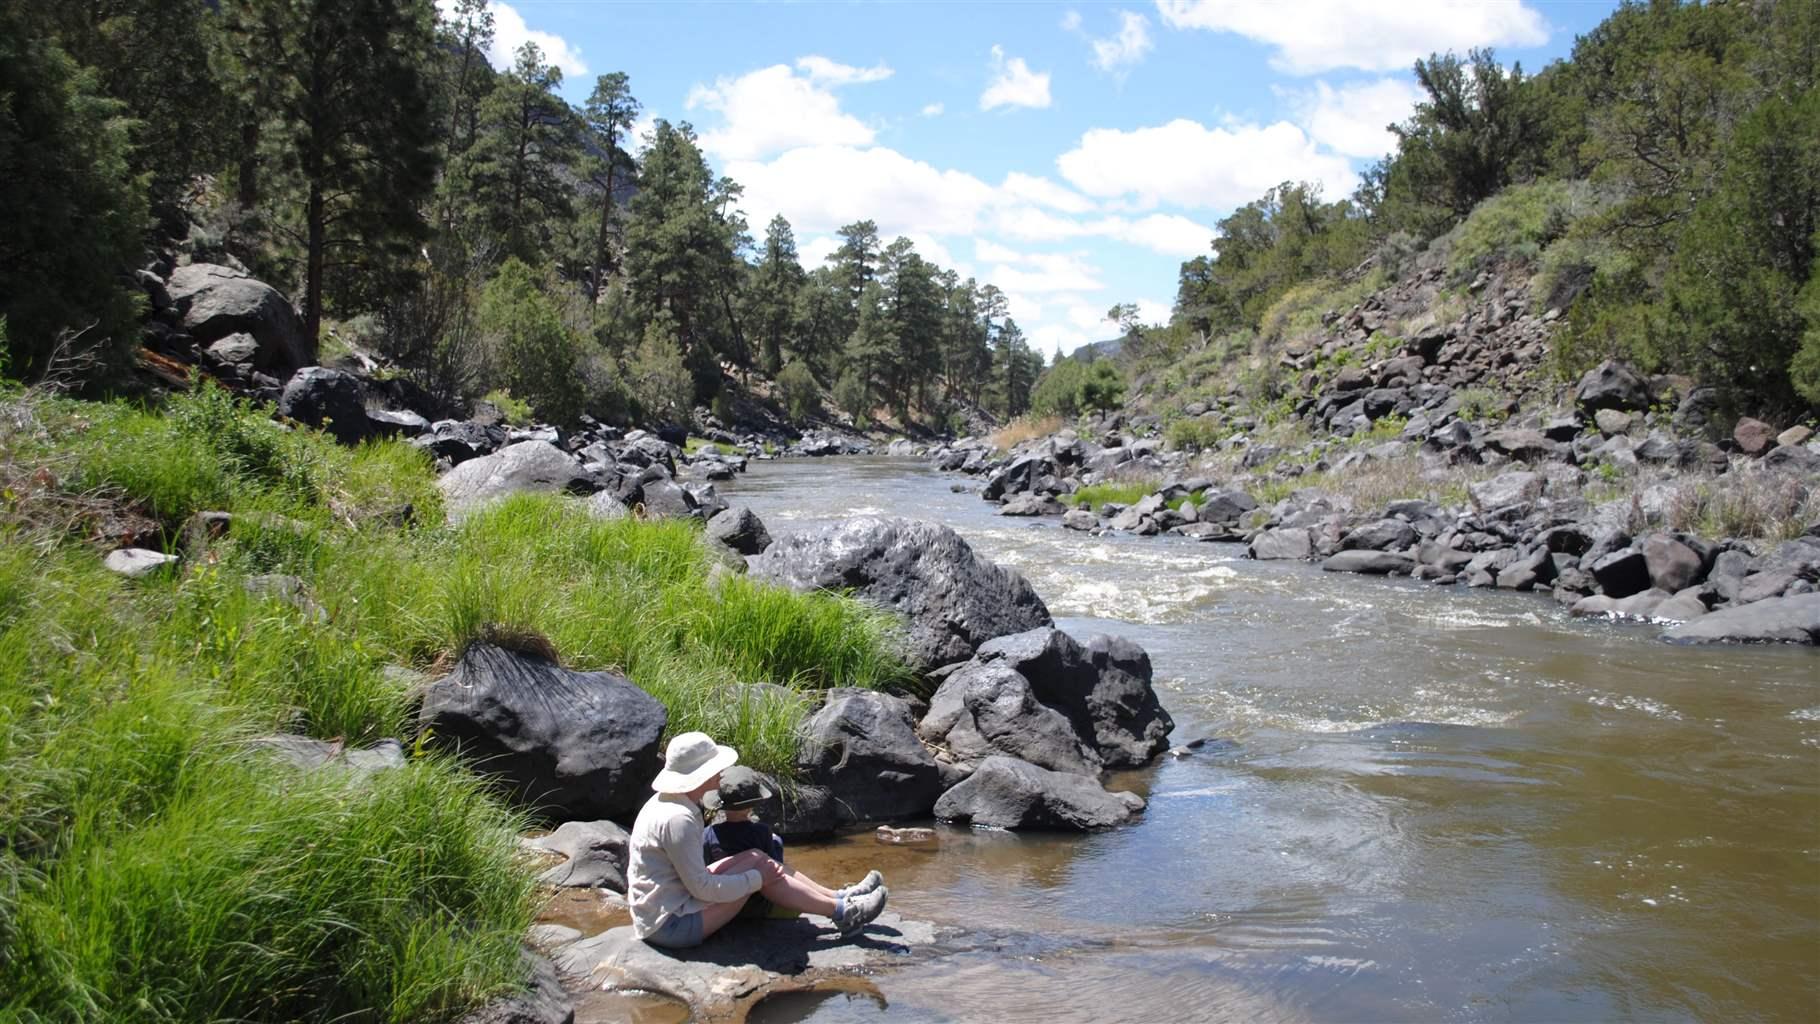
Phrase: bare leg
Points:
(716, 916)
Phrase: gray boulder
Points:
(216, 302)
(568, 745)
(990, 708)
(740, 529)
(1371, 563)
(332, 400)
(1383, 535)
(1612, 385)
(1753, 436)
(1012, 794)
(1780, 619)
(1031, 505)
(1621, 573)
(1672, 565)
(595, 855)
(862, 746)
(1080, 519)
(1290, 543)
(953, 600)
(1103, 687)
(1507, 489)
(525, 466)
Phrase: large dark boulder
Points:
(1612, 385)
(1370, 563)
(216, 302)
(1022, 475)
(1103, 688)
(1779, 619)
(1621, 573)
(953, 600)
(1383, 535)
(1008, 793)
(990, 708)
(333, 400)
(525, 466)
(568, 745)
(740, 529)
(1287, 543)
(862, 746)
(1672, 565)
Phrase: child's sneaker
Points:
(865, 885)
(857, 912)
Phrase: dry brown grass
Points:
(1023, 429)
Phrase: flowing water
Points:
(1434, 805)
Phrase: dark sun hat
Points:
(742, 787)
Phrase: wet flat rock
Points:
(743, 961)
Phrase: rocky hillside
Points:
(1418, 433)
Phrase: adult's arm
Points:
(682, 842)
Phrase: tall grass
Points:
(1123, 492)
(1022, 429)
(153, 869)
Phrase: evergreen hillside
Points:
(1655, 197)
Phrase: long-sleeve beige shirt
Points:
(666, 875)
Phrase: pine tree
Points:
(518, 164)
(776, 283)
(608, 117)
(341, 88)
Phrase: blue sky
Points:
(1073, 154)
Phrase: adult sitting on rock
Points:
(677, 898)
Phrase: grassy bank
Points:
(151, 868)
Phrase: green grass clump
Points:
(1191, 434)
(695, 444)
(1121, 492)
(153, 867)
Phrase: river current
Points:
(1424, 805)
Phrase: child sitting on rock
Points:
(741, 790)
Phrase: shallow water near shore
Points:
(1437, 805)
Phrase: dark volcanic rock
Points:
(1013, 794)
(1673, 566)
(1383, 535)
(1753, 437)
(740, 529)
(991, 708)
(953, 599)
(1103, 687)
(544, 1002)
(1612, 385)
(569, 745)
(1289, 543)
(862, 746)
(1371, 563)
(317, 396)
(1621, 573)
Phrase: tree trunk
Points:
(600, 244)
(312, 288)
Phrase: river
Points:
(1432, 806)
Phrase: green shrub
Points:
(1192, 434)
(661, 383)
(1519, 221)
(537, 355)
(801, 394)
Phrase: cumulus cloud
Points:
(1043, 192)
(1354, 119)
(1168, 234)
(1311, 36)
(1014, 84)
(775, 109)
(988, 251)
(1188, 164)
(819, 188)
(1127, 47)
(1040, 273)
(510, 32)
(932, 109)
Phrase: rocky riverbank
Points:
(1598, 497)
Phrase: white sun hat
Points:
(691, 759)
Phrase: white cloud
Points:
(987, 251)
(1040, 273)
(1052, 338)
(775, 109)
(1071, 22)
(642, 127)
(1014, 84)
(1127, 48)
(1044, 192)
(510, 32)
(1311, 36)
(1169, 234)
(1188, 164)
(832, 72)
(819, 188)
(1354, 119)
(932, 109)
(815, 252)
